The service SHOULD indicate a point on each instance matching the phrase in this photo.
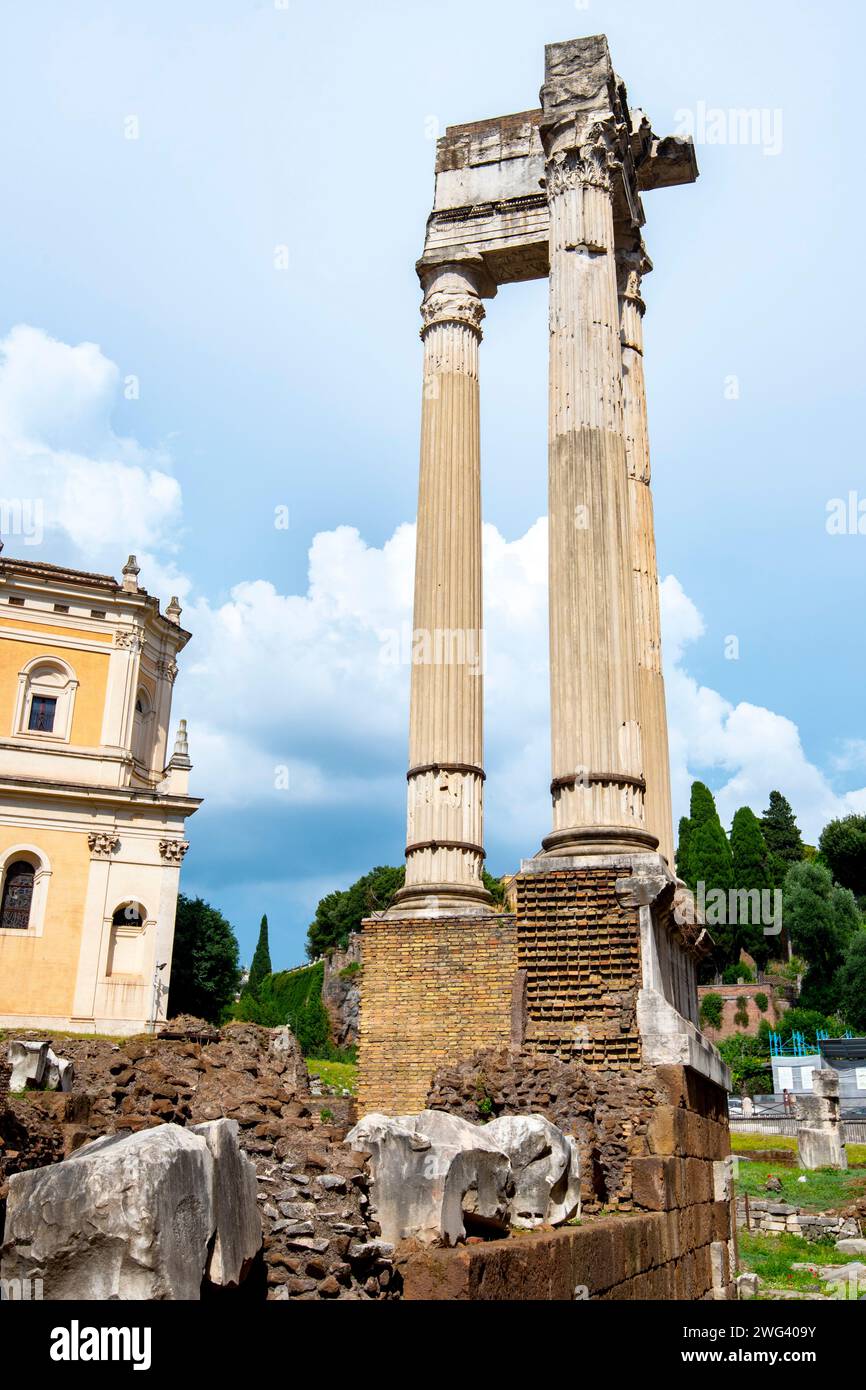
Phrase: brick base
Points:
(433, 990)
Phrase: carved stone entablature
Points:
(172, 851)
(452, 306)
(126, 637)
(167, 670)
(102, 843)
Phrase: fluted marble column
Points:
(444, 842)
(632, 264)
(597, 784)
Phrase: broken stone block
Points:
(59, 1072)
(424, 1188)
(295, 1076)
(819, 1135)
(545, 1167)
(29, 1061)
(126, 1217)
(851, 1247)
(235, 1210)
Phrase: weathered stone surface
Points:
(59, 1072)
(126, 1217)
(854, 1246)
(29, 1061)
(424, 1188)
(819, 1135)
(545, 1169)
(295, 1076)
(236, 1215)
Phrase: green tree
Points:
(852, 983)
(709, 863)
(204, 967)
(782, 837)
(709, 852)
(342, 912)
(843, 848)
(748, 1057)
(683, 837)
(750, 868)
(820, 919)
(261, 965)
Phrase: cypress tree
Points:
(750, 864)
(261, 965)
(684, 834)
(709, 852)
(782, 836)
(710, 865)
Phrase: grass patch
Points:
(824, 1190)
(747, 1143)
(343, 1075)
(771, 1257)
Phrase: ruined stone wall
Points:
(433, 990)
(627, 1124)
(654, 1146)
(643, 1256)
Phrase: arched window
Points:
(25, 874)
(46, 696)
(142, 728)
(125, 952)
(17, 897)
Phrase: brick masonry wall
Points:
(774, 1014)
(581, 952)
(433, 990)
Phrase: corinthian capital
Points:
(452, 306)
(452, 292)
(632, 264)
(587, 163)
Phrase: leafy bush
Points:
(293, 997)
(741, 1013)
(733, 974)
(711, 1011)
(761, 1001)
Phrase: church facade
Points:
(92, 806)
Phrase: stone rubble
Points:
(256, 1076)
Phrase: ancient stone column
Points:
(632, 264)
(597, 786)
(444, 846)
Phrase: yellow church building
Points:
(92, 808)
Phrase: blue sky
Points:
(309, 127)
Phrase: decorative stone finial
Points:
(174, 610)
(180, 756)
(131, 571)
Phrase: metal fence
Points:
(853, 1131)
